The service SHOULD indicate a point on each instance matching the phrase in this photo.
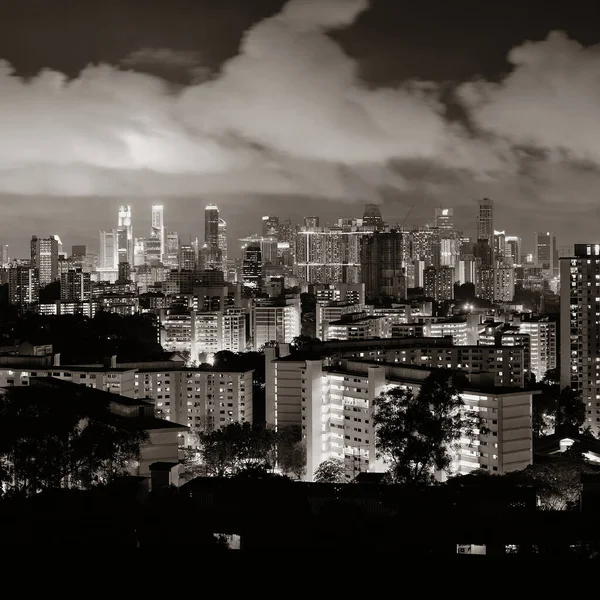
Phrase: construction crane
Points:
(406, 217)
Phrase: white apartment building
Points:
(332, 311)
(333, 405)
(357, 326)
(504, 364)
(275, 321)
(542, 345)
(196, 398)
(456, 329)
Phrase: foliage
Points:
(330, 471)
(240, 448)
(417, 434)
(291, 452)
(236, 447)
(49, 440)
(50, 292)
(555, 408)
(78, 338)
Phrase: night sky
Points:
(327, 106)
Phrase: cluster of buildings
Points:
(385, 314)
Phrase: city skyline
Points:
(503, 153)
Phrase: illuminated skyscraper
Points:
(546, 252)
(44, 258)
(444, 218)
(211, 225)
(108, 250)
(125, 242)
(157, 230)
(252, 266)
(512, 251)
(222, 237)
(270, 227)
(485, 221)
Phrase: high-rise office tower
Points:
(252, 266)
(499, 249)
(4, 253)
(157, 230)
(76, 286)
(546, 252)
(171, 257)
(188, 257)
(372, 218)
(512, 251)
(222, 237)
(108, 250)
(125, 242)
(580, 328)
(211, 225)
(382, 261)
(44, 258)
(485, 221)
(270, 227)
(444, 218)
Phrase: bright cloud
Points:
(289, 114)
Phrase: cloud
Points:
(550, 101)
(290, 115)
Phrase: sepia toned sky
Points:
(309, 106)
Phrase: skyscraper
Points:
(23, 286)
(512, 251)
(222, 236)
(372, 217)
(546, 252)
(485, 221)
(382, 261)
(211, 225)
(252, 266)
(270, 227)
(75, 286)
(125, 242)
(4, 253)
(444, 218)
(108, 250)
(580, 328)
(44, 258)
(157, 230)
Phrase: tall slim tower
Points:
(125, 243)
(485, 221)
(222, 237)
(158, 227)
(546, 252)
(211, 225)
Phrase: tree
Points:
(570, 410)
(291, 452)
(330, 471)
(49, 440)
(417, 433)
(237, 447)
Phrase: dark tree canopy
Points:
(240, 448)
(49, 440)
(330, 471)
(417, 433)
(78, 338)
